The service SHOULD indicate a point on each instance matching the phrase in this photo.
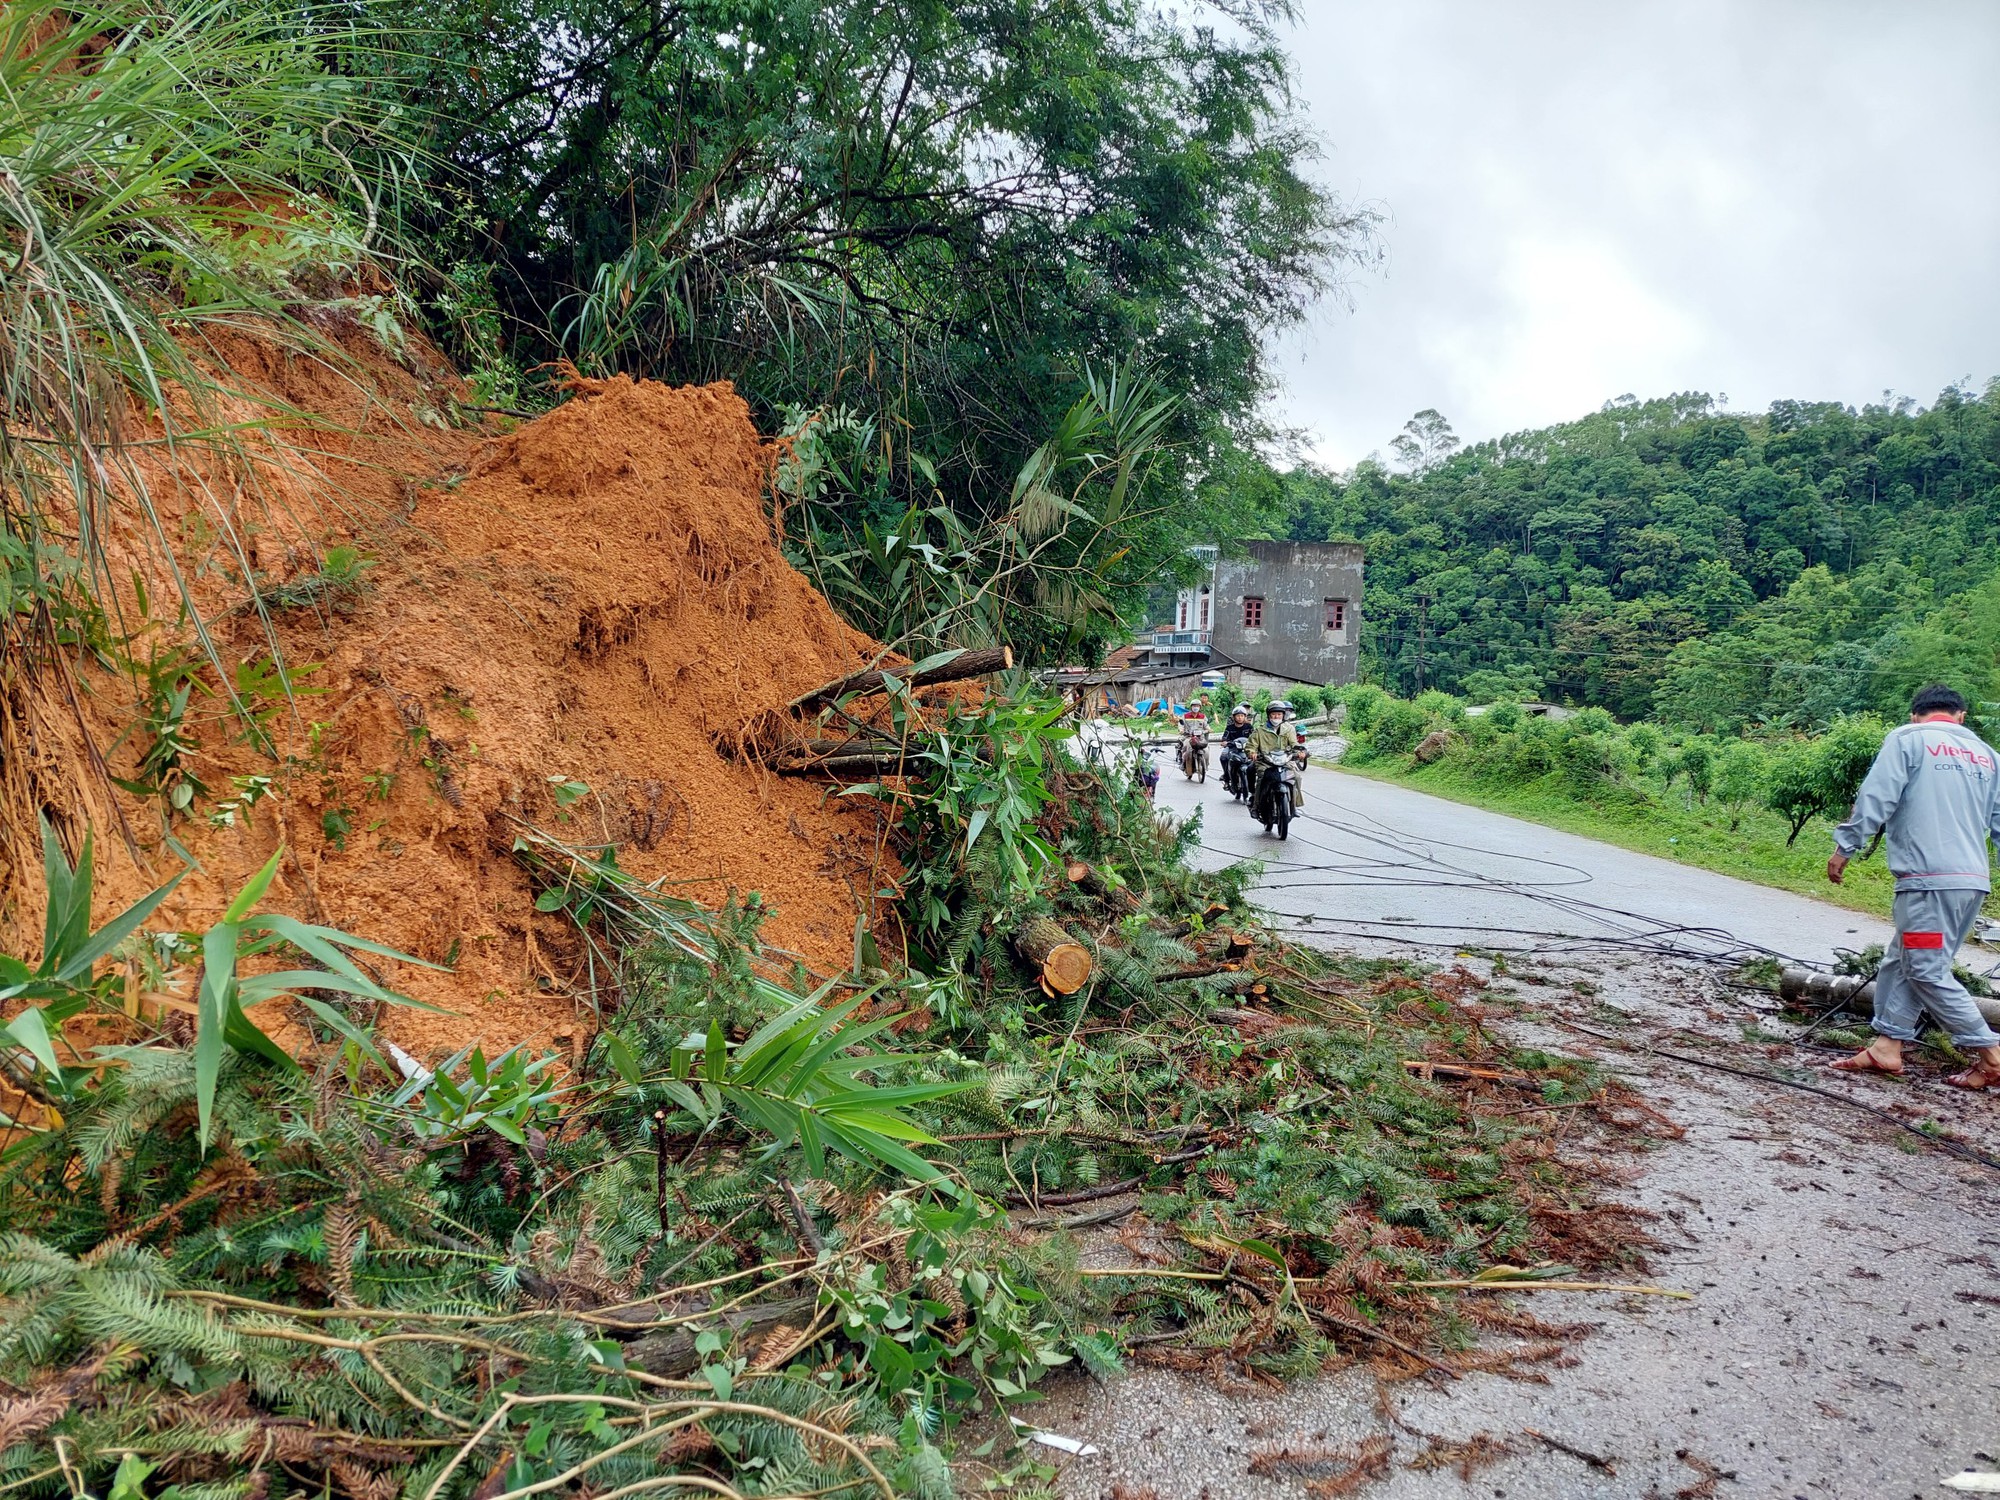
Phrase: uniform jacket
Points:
(1935, 788)
(1264, 738)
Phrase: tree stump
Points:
(1061, 962)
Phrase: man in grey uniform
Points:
(1935, 790)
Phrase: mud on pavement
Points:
(1840, 1341)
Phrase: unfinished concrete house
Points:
(1278, 615)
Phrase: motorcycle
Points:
(1272, 804)
(1194, 757)
(1147, 775)
(1235, 770)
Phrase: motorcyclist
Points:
(1234, 733)
(1194, 730)
(1275, 742)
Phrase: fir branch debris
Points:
(781, 1233)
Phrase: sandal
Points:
(1865, 1061)
(1977, 1079)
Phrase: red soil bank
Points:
(586, 599)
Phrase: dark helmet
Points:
(1279, 705)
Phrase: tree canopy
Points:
(921, 226)
(1671, 558)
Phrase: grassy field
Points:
(1699, 836)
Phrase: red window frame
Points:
(1336, 614)
(1253, 611)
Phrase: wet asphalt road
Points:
(1381, 864)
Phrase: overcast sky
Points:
(1763, 198)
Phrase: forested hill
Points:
(1672, 559)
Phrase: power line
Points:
(1412, 864)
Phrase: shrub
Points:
(1645, 742)
(1534, 750)
(1818, 778)
(1584, 758)
(1849, 748)
(1595, 720)
(1696, 761)
(1398, 727)
(1437, 704)
(1739, 777)
(1792, 786)
(1306, 701)
(1364, 702)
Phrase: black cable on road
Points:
(1414, 864)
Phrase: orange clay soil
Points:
(589, 598)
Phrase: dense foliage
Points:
(909, 228)
(1673, 559)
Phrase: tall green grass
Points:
(169, 175)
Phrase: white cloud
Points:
(1572, 319)
(1788, 198)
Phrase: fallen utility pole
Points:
(1828, 993)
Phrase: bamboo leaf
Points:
(29, 1030)
(218, 979)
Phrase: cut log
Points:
(1117, 897)
(1238, 946)
(1061, 962)
(970, 663)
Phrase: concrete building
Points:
(1283, 613)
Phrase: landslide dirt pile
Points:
(554, 627)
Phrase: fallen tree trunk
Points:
(970, 663)
(1059, 960)
(671, 1353)
(857, 765)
